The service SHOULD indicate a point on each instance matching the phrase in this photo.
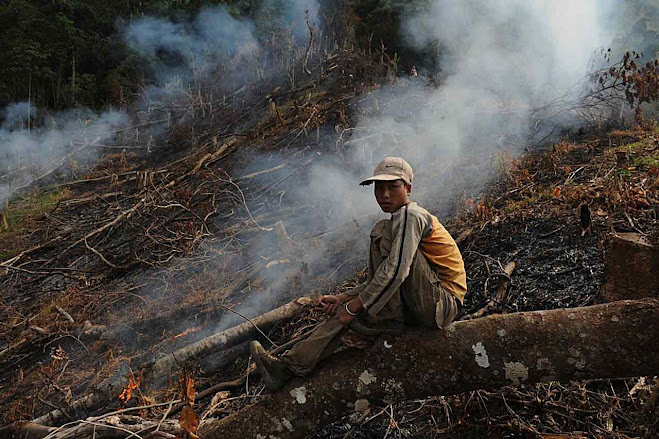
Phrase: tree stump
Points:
(631, 268)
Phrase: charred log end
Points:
(631, 268)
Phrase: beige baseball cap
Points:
(389, 169)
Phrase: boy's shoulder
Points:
(415, 210)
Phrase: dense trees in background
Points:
(61, 53)
(64, 53)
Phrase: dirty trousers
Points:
(420, 301)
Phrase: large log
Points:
(227, 338)
(603, 341)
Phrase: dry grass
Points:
(23, 215)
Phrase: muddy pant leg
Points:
(324, 340)
(425, 302)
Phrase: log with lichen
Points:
(603, 341)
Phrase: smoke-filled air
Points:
(34, 145)
(502, 65)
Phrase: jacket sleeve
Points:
(358, 289)
(389, 276)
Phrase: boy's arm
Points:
(351, 294)
(394, 270)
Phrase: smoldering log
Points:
(604, 341)
(226, 339)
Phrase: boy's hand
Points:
(329, 304)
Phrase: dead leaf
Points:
(188, 392)
(609, 424)
(557, 192)
(189, 421)
(219, 397)
(640, 385)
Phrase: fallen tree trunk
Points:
(226, 339)
(603, 341)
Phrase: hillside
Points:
(238, 194)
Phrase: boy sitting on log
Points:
(416, 276)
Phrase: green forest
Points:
(64, 53)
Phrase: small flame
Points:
(187, 331)
(133, 384)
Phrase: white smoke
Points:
(29, 144)
(213, 33)
(177, 48)
(499, 60)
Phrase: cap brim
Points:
(381, 177)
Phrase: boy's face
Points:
(392, 195)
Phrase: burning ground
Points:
(250, 203)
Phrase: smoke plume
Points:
(33, 142)
(178, 50)
(499, 61)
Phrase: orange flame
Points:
(133, 384)
(187, 331)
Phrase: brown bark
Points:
(603, 341)
(631, 268)
(25, 430)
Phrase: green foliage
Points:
(646, 162)
(64, 53)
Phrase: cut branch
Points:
(159, 369)
(603, 341)
(498, 297)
